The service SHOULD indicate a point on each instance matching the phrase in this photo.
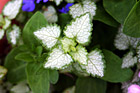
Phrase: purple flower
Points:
(38, 1)
(28, 5)
(134, 88)
(66, 8)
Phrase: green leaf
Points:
(39, 50)
(16, 69)
(24, 56)
(114, 72)
(90, 85)
(132, 23)
(38, 82)
(103, 16)
(64, 19)
(36, 22)
(118, 9)
(53, 76)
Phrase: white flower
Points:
(80, 55)
(95, 63)
(58, 59)
(80, 29)
(79, 9)
(68, 44)
(7, 23)
(1, 33)
(50, 14)
(122, 41)
(58, 2)
(20, 88)
(129, 60)
(14, 34)
(48, 35)
(12, 8)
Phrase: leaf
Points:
(58, 2)
(16, 69)
(90, 85)
(70, 90)
(78, 70)
(138, 53)
(80, 55)
(118, 9)
(123, 42)
(39, 83)
(7, 23)
(12, 9)
(79, 9)
(103, 16)
(48, 35)
(131, 24)
(36, 22)
(70, 1)
(64, 19)
(80, 28)
(24, 56)
(13, 35)
(95, 63)
(39, 50)
(51, 14)
(129, 60)
(20, 88)
(1, 33)
(3, 72)
(54, 75)
(68, 44)
(114, 73)
(58, 59)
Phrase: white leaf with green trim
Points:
(12, 8)
(58, 59)
(7, 23)
(58, 2)
(80, 55)
(68, 44)
(1, 33)
(80, 29)
(50, 14)
(79, 9)
(95, 63)
(129, 60)
(48, 35)
(14, 34)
